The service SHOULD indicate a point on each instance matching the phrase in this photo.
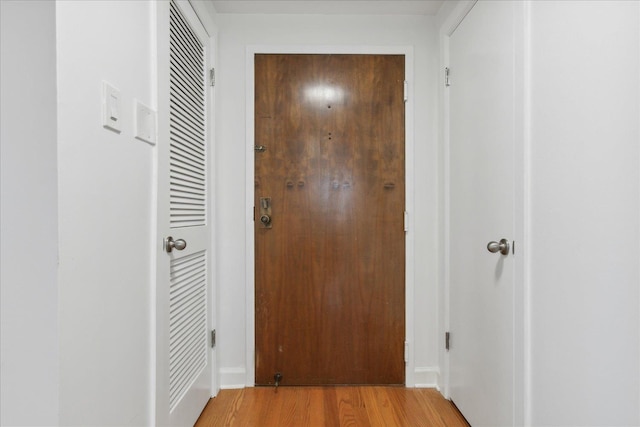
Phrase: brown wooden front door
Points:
(330, 188)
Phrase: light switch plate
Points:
(145, 122)
(111, 107)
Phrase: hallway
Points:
(87, 290)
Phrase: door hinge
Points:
(406, 221)
(406, 351)
(212, 77)
(447, 337)
(447, 83)
(213, 338)
(406, 91)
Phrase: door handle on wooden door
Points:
(265, 212)
(265, 220)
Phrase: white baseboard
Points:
(231, 378)
(427, 377)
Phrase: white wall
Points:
(105, 206)
(29, 286)
(236, 32)
(585, 213)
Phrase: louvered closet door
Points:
(183, 353)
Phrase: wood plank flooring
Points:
(330, 406)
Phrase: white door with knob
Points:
(183, 313)
(483, 146)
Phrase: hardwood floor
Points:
(330, 406)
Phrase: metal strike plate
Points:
(265, 212)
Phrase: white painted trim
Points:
(521, 207)
(233, 378)
(445, 209)
(206, 15)
(525, 238)
(156, 22)
(250, 326)
(427, 377)
(448, 26)
(407, 51)
(213, 256)
(161, 105)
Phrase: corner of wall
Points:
(29, 346)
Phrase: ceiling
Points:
(330, 7)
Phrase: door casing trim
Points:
(251, 51)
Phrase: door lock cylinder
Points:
(265, 212)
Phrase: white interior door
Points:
(183, 355)
(482, 132)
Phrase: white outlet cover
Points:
(111, 107)
(145, 122)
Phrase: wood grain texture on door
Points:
(330, 265)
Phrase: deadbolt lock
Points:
(265, 212)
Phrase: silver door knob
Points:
(170, 244)
(502, 246)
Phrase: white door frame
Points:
(212, 31)
(522, 369)
(407, 51)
